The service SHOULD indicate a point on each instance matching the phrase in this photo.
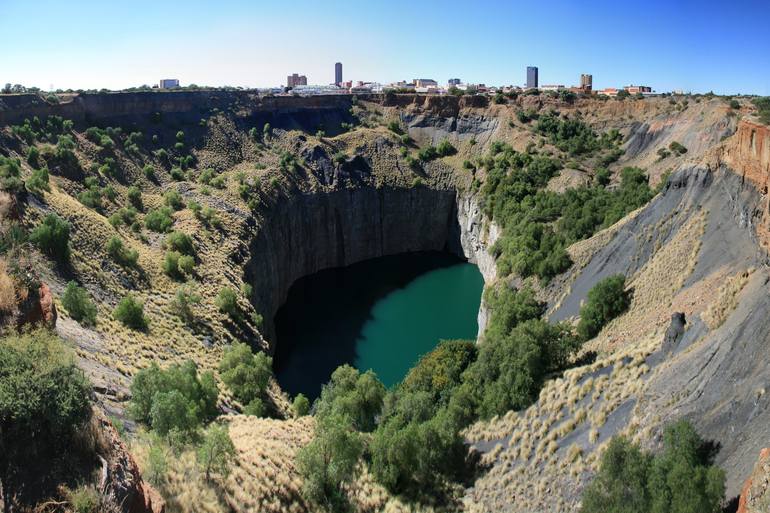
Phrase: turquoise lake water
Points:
(382, 314)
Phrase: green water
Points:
(382, 314)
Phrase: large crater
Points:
(307, 233)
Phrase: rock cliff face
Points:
(311, 232)
(121, 481)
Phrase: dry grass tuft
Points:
(726, 300)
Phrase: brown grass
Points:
(7, 289)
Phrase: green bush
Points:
(227, 302)
(445, 148)
(134, 196)
(38, 181)
(10, 175)
(173, 200)
(78, 305)
(300, 405)
(174, 399)
(763, 109)
(52, 237)
(44, 404)
(181, 242)
(159, 220)
(149, 172)
(84, 499)
(676, 148)
(735, 104)
(120, 253)
(130, 312)
(395, 127)
(606, 300)
(246, 374)
(184, 300)
(176, 265)
(681, 479)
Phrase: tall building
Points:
(338, 73)
(169, 83)
(532, 76)
(586, 82)
(454, 82)
(295, 80)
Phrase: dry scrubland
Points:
(534, 455)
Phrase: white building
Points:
(168, 83)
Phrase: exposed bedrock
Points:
(311, 232)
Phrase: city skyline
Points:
(257, 44)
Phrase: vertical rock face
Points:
(748, 154)
(755, 496)
(121, 481)
(311, 232)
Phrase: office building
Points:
(586, 82)
(531, 77)
(454, 82)
(295, 80)
(168, 83)
(425, 82)
(338, 73)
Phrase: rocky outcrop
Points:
(37, 308)
(121, 482)
(755, 496)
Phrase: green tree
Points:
(620, 486)
(78, 304)
(606, 300)
(680, 479)
(52, 237)
(246, 374)
(176, 398)
(330, 460)
(301, 405)
(353, 395)
(130, 312)
(44, 402)
(216, 452)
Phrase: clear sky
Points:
(702, 45)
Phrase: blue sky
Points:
(687, 44)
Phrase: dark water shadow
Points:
(324, 314)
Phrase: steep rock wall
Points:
(95, 107)
(310, 232)
(747, 153)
